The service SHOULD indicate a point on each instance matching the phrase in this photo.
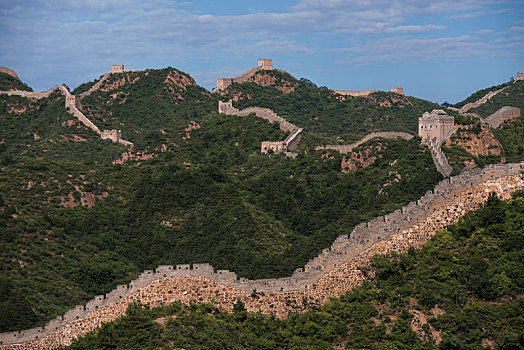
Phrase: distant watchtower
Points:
(265, 63)
(435, 125)
(520, 75)
(117, 68)
(398, 90)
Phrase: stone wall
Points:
(366, 93)
(481, 101)
(348, 148)
(96, 86)
(361, 93)
(289, 144)
(330, 274)
(30, 94)
(9, 71)
(263, 64)
(500, 116)
(72, 102)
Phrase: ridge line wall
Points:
(348, 148)
(481, 101)
(343, 248)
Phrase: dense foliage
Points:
(73, 225)
(145, 102)
(285, 212)
(464, 287)
(511, 137)
(43, 128)
(8, 82)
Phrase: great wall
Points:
(381, 134)
(73, 103)
(365, 93)
(289, 144)
(331, 274)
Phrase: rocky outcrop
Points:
(331, 274)
(348, 148)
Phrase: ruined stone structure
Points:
(500, 116)
(366, 93)
(348, 148)
(397, 90)
(274, 147)
(331, 274)
(117, 68)
(289, 144)
(9, 71)
(435, 125)
(113, 135)
(520, 75)
(263, 64)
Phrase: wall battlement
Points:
(343, 248)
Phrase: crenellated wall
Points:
(341, 251)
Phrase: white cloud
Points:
(414, 28)
(476, 14)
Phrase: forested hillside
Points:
(512, 96)
(8, 82)
(462, 290)
(79, 215)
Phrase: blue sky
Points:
(437, 50)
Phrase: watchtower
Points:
(73, 99)
(520, 75)
(265, 63)
(117, 68)
(435, 125)
(398, 90)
